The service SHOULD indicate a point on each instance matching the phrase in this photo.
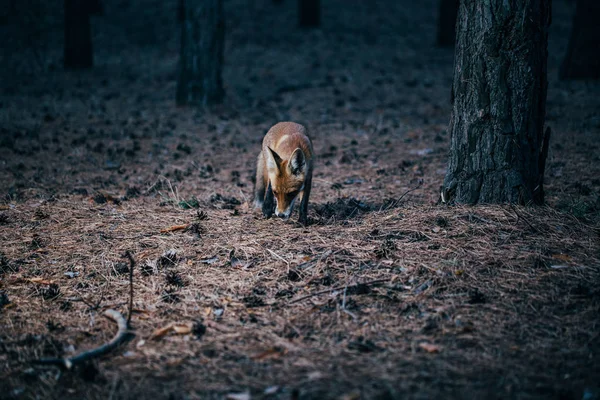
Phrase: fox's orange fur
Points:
(284, 170)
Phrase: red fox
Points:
(284, 171)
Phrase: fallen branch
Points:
(121, 336)
(336, 288)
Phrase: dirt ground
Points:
(386, 294)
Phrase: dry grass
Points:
(488, 287)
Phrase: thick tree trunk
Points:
(202, 40)
(78, 35)
(582, 60)
(498, 145)
(309, 13)
(446, 33)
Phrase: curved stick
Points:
(122, 335)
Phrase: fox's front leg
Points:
(304, 203)
(268, 207)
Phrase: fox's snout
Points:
(282, 215)
(287, 209)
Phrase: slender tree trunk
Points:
(202, 40)
(446, 33)
(498, 145)
(78, 35)
(582, 60)
(309, 13)
(180, 11)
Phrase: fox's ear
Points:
(273, 160)
(297, 164)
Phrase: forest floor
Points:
(386, 294)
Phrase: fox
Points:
(284, 171)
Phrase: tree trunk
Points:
(582, 60)
(446, 33)
(202, 40)
(309, 13)
(180, 11)
(95, 7)
(498, 145)
(78, 35)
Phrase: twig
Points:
(344, 305)
(131, 267)
(278, 256)
(121, 336)
(396, 202)
(336, 288)
(91, 306)
(523, 218)
(313, 261)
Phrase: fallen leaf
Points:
(304, 362)
(314, 375)
(430, 348)
(562, 257)
(182, 329)
(209, 261)
(217, 326)
(271, 390)
(174, 362)
(160, 332)
(354, 395)
(39, 281)
(238, 396)
(422, 152)
(174, 228)
(273, 352)
(218, 312)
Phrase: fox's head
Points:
(287, 179)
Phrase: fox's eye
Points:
(275, 193)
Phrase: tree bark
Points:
(582, 60)
(95, 7)
(497, 145)
(446, 33)
(309, 13)
(180, 11)
(78, 35)
(201, 61)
